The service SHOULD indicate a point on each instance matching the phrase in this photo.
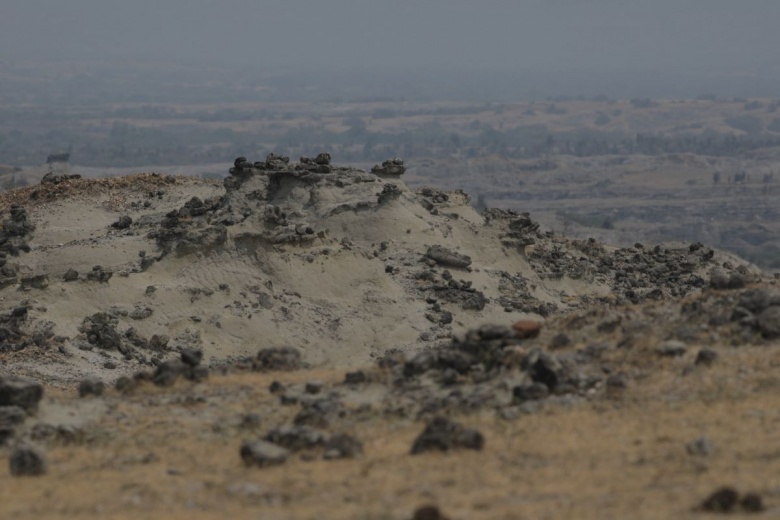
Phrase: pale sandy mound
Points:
(336, 262)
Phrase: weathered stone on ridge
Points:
(393, 167)
(443, 256)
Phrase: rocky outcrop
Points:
(393, 168)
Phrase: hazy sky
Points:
(709, 38)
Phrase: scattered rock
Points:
(343, 446)
(98, 274)
(35, 281)
(752, 503)
(296, 438)
(525, 329)
(442, 434)
(724, 500)
(91, 386)
(701, 447)
(277, 358)
(57, 178)
(141, 313)
(428, 513)
(355, 378)
(263, 454)
(443, 256)
(71, 275)
(390, 167)
(100, 329)
(169, 371)
(672, 348)
(192, 356)
(720, 279)
(27, 462)
(12, 415)
(768, 322)
(706, 356)
(124, 222)
(20, 392)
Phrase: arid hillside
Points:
(305, 340)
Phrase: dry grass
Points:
(173, 453)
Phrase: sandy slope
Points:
(330, 297)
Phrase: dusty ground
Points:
(173, 453)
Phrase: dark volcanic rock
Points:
(20, 392)
(70, 275)
(192, 356)
(263, 454)
(124, 222)
(100, 329)
(443, 256)
(442, 434)
(27, 462)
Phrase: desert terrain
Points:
(307, 339)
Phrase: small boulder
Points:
(20, 392)
(526, 329)
(442, 434)
(91, 386)
(192, 356)
(443, 256)
(277, 358)
(296, 438)
(343, 446)
(706, 356)
(124, 222)
(768, 322)
(263, 454)
(27, 462)
(672, 348)
(71, 275)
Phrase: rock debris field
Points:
(307, 340)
